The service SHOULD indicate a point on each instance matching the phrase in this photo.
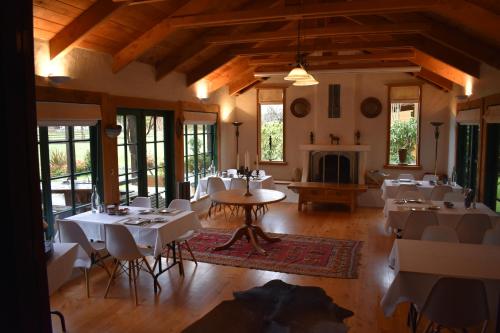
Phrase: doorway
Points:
(492, 171)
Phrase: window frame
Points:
(417, 165)
(259, 152)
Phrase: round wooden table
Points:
(238, 198)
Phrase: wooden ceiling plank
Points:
(441, 68)
(334, 66)
(343, 8)
(81, 26)
(228, 73)
(242, 82)
(436, 79)
(337, 30)
(168, 64)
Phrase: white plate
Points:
(138, 221)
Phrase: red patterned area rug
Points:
(336, 258)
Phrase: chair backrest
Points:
(120, 243)
(457, 303)
(416, 222)
(238, 184)
(430, 177)
(405, 188)
(141, 202)
(439, 191)
(453, 197)
(182, 204)
(471, 228)
(215, 184)
(233, 172)
(492, 237)
(71, 232)
(405, 176)
(440, 233)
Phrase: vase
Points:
(402, 153)
(95, 200)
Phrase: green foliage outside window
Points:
(403, 136)
(271, 135)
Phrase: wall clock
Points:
(300, 107)
(371, 107)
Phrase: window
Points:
(404, 126)
(145, 156)
(200, 147)
(271, 125)
(68, 168)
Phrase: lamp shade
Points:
(310, 81)
(298, 73)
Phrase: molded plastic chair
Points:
(122, 246)
(439, 191)
(215, 184)
(456, 303)
(453, 197)
(141, 202)
(472, 227)
(492, 237)
(233, 172)
(183, 204)
(416, 222)
(238, 184)
(405, 188)
(89, 253)
(439, 233)
(406, 176)
(430, 177)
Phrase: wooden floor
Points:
(184, 300)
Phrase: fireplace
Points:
(329, 167)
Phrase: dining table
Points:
(247, 200)
(390, 187)
(155, 228)
(418, 265)
(396, 211)
(260, 182)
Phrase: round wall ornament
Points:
(300, 107)
(371, 107)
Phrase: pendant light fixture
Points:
(299, 74)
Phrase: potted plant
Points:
(403, 140)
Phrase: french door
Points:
(492, 175)
(146, 155)
(466, 160)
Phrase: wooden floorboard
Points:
(184, 300)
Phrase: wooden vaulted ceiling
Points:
(226, 41)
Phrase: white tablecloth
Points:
(266, 182)
(396, 214)
(390, 188)
(156, 235)
(419, 264)
(60, 264)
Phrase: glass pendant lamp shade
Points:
(298, 73)
(310, 81)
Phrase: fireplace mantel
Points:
(362, 150)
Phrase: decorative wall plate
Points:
(371, 107)
(300, 107)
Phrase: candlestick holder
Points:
(246, 173)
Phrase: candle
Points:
(237, 161)
(247, 160)
(257, 161)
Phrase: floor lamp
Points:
(436, 125)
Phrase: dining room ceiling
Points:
(226, 41)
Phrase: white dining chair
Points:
(472, 227)
(440, 233)
(492, 237)
(405, 188)
(122, 246)
(429, 177)
(453, 197)
(215, 184)
(182, 204)
(416, 222)
(233, 172)
(406, 176)
(89, 253)
(439, 191)
(141, 202)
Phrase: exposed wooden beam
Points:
(284, 69)
(482, 21)
(436, 79)
(243, 82)
(362, 7)
(227, 73)
(81, 26)
(441, 68)
(153, 36)
(208, 67)
(247, 51)
(284, 59)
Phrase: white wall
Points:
(354, 88)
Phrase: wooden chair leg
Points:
(191, 252)
(111, 278)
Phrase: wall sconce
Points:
(112, 131)
(202, 90)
